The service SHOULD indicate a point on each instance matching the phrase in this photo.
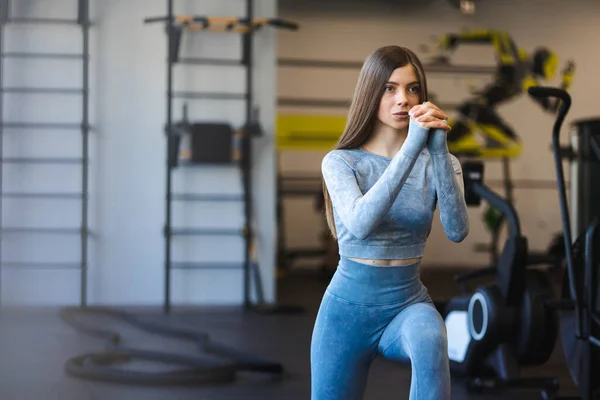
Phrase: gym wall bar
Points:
(175, 26)
(223, 24)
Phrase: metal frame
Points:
(174, 33)
(84, 22)
(247, 49)
(175, 25)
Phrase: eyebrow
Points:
(396, 83)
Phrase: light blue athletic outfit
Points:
(383, 209)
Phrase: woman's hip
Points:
(361, 284)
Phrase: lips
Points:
(401, 115)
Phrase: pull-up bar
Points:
(223, 24)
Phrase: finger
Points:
(436, 111)
(432, 122)
(426, 111)
(416, 111)
(438, 114)
(430, 116)
(429, 105)
(422, 111)
(441, 125)
(426, 118)
(433, 113)
(435, 125)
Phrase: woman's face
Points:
(401, 93)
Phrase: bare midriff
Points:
(386, 263)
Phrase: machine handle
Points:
(505, 207)
(544, 92)
(548, 91)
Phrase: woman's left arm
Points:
(448, 179)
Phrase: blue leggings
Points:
(367, 311)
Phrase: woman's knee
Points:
(431, 342)
(426, 336)
(418, 330)
(427, 325)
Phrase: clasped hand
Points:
(429, 116)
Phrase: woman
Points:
(382, 183)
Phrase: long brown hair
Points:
(373, 76)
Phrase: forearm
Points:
(362, 213)
(449, 187)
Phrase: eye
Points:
(389, 89)
(415, 89)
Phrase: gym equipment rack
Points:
(83, 21)
(175, 25)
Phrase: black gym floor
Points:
(34, 345)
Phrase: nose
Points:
(401, 98)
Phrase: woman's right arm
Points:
(361, 213)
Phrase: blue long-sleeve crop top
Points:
(383, 207)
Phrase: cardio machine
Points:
(580, 318)
(508, 323)
(514, 321)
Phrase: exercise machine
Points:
(514, 321)
(580, 324)
(508, 323)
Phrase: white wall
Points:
(349, 31)
(128, 108)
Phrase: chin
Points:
(399, 125)
(394, 124)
